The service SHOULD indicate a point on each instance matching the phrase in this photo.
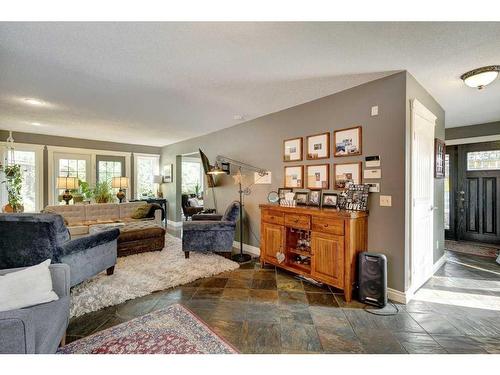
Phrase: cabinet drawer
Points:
(298, 221)
(327, 225)
(273, 217)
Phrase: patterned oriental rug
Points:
(173, 330)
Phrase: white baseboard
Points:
(174, 223)
(438, 264)
(249, 249)
(398, 296)
(405, 297)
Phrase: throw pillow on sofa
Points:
(141, 212)
(152, 208)
(28, 287)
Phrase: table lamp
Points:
(120, 183)
(67, 183)
(158, 180)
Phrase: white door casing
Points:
(422, 194)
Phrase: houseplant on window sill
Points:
(102, 192)
(84, 193)
(13, 182)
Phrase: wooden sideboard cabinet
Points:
(335, 238)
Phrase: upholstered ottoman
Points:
(139, 237)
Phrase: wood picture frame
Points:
(317, 173)
(348, 141)
(294, 182)
(288, 149)
(439, 158)
(345, 168)
(318, 146)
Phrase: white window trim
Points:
(202, 173)
(38, 149)
(82, 151)
(136, 155)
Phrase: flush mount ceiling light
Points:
(480, 77)
(33, 101)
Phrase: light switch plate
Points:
(385, 201)
(375, 110)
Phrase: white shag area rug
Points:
(141, 274)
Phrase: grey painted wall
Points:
(49, 140)
(479, 130)
(259, 142)
(415, 91)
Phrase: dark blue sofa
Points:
(29, 239)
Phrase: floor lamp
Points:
(240, 258)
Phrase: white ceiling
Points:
(159, 83)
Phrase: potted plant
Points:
(14, 183)
(83, 193)
(102, 192)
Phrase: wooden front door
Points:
(478, 192)
(327, 262)
(272, 241)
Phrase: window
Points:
(447, 192)
(70, 165)
(109, 166)
(73, 168)
(146, 167)
(483, 160)
(192, 177)
(29, 157)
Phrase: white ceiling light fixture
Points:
(36, 124)
(480, 77)
(34, 102)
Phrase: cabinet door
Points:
(327, 262)
(272, 241)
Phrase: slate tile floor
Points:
(265, 310)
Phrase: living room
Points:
(249, 188)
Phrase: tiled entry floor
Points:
(270, 311)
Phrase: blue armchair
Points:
(29, 239)
(211, 235)
(38, 329)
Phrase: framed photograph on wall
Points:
(329, 199)
(439, 158)
(318, 176)
(302, 196)
(294, 177)
(318, 146)
(345, 174)
(292, 149)
(348, 141)
(167, 173)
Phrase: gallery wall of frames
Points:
(337, 184)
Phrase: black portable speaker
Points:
(372, 278)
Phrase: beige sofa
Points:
(80, 217)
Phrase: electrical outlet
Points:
(385, 201)
(375, 110)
